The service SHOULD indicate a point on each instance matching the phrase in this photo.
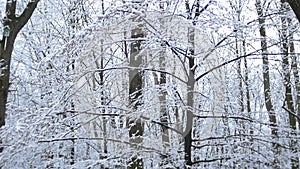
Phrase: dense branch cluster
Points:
(150, 84)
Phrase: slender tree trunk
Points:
(103, 100)
(163, 92)
(190, 99)
(13, 24)
(266, 82)
(286, 68)
(75, 23)
(294, 64)
(297, 85)
(240, 75)
(287, 81)
(135, 125)
(189, 113)
(193, 14)
(248, 99)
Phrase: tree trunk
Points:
(163, 92)
(240, 75)
(191, 79)
(266, 82)
(134, 123)
(189, 115)
(14, 24)
(190, 98)
(294, 64)
(287, 81)
(295, 5)
(286, 67)
(248, 103)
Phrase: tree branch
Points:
(211, 160)
(26, 14)
(295, 5)
(198, 11)
(230, 61)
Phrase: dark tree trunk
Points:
(295, 5)
(285, 37)
(135, 125)
(15, 24)
(190, 91)
(296, 76)
(163, 92)
(189, 115)
(193, 14)
(266, 81)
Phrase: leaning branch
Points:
(164, 125)
(135, 145)
(211, 160)
(230, 61)
(26, 14)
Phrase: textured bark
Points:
(294, 63)
(163, 93)
(248, 103)
(266, 81)
(102, 79)
(240, 75)
(190, 98)
(189, 113)
(192, 14)
(286, 68)
(135, 125)
(295, 5)
(6, 48)
(285, 37)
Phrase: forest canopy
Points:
(149, 84)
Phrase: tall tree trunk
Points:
(103, 100)
(294, 64)
(266, 82)
(287, 82)
(248, 99)
(190, 99)
(13, 24)
(135, 125)
(75, 23)
(190, 90)
(239, 71)
(163, 92)
(161, 82)
(192, 15)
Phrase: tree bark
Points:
(135, 125)
(294, 64)
(285, 37)
(192, 15)
(15, 24)
(163, 92)
(295, 5)
(190, 90)
(266, 81)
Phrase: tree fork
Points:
(13, 24)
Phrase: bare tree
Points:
(12, 26)
(266, 78)
(285, 47)
(135, 125)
